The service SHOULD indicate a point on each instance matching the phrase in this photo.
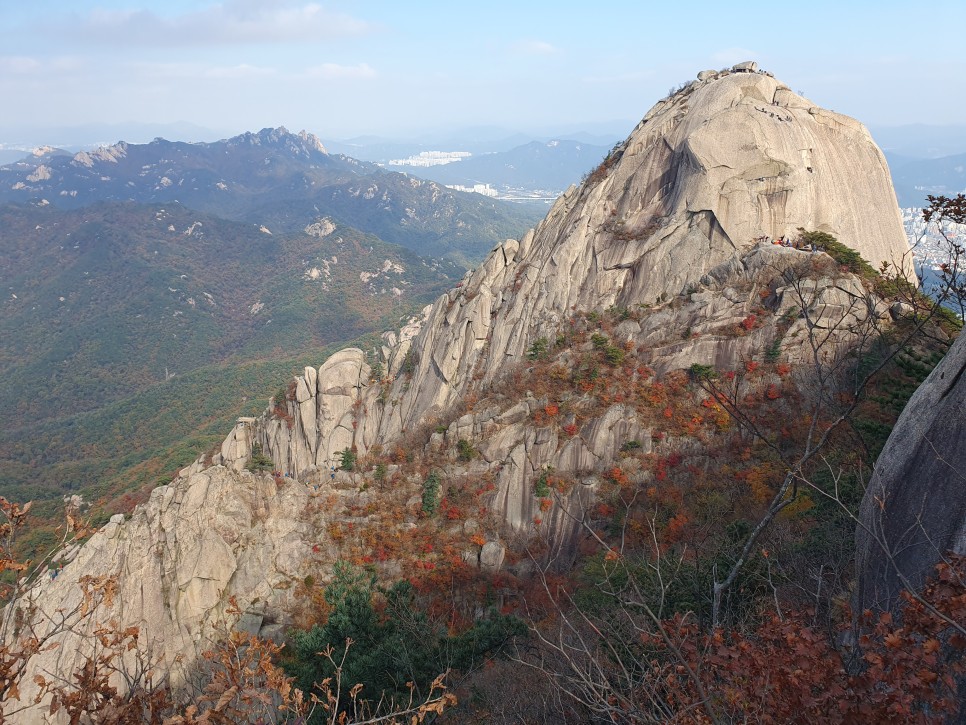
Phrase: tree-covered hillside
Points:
(105, 303)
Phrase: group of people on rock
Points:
(786, 241)
(796, 244)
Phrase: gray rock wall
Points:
(915, 504)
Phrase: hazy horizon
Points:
(143, 132)
(347, 69)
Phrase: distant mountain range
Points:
(921, 141)
(88, 135)
(477, 142)
(915, 178)
(274, 178)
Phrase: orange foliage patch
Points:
(617, 475)
(675, 528)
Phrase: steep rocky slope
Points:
(663, 234)
(177, 556)
(676, 209)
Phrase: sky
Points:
(402, 69)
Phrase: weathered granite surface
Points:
(210, 535)
(914, 509)
(677, 208)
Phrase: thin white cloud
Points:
(183, 70)
(242, 71)
(21, 65)
(535, 47)
(231, 22)
(334, 71)
(180, 71)
(18, 64)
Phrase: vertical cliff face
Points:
(730, 158)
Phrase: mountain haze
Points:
(916, 178)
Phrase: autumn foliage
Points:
(787, 671)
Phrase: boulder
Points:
(898, 310)
(914, 509)
(491, 556)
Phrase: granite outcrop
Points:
(685, 206)
(913, 512)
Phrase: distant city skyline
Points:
(399, 70)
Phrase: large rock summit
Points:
(713, 168)
(736, 156)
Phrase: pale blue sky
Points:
(396, 68)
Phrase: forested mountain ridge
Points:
(128, 265)
(103, 302)
(274, 178)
